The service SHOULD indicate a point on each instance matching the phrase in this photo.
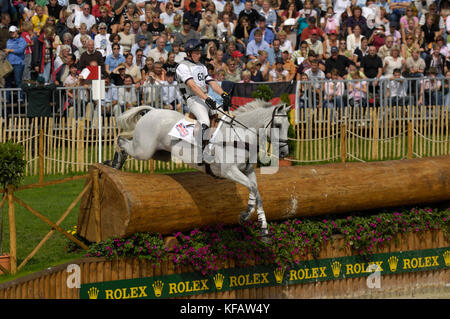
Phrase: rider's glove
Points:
(211, 104)
(226, 100)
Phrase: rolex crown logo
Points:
(336, 268)
(279, 274)
(393, 262)
(447, 257)
(218, 281)
(158, 287)
(93, 293)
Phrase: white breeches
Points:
(199, 108)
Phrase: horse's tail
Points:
(126, 122)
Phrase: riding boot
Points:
(208, 157)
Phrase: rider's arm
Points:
(196, 89)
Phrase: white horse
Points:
(150, 139)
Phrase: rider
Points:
(195, 75)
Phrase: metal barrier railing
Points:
(336, 94)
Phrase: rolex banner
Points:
(242, 93)
(178, 285)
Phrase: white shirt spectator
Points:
(222, 30)
(156, 54)
(319, 75)
(170, 92)
(101, 43)
(219, 5)
(238, 6)
(80, 17)
(397, 88)
(166, 19)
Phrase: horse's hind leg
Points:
(259, 206)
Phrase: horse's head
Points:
(280, 127)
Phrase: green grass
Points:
(52, 202)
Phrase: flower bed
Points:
(207, 248)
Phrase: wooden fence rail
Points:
(54, 283)
(64, 146)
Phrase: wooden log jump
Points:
(131, 202)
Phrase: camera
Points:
(424, 3)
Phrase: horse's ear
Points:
(284, 108)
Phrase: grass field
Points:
(52, 202)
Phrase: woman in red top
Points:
(378, 37)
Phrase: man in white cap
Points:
(15, 50)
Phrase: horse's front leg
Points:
(259, 206)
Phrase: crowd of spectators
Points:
(138, 42)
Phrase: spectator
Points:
(397, 89)
(307, 32)
(159, 53)
(27, 35)
(39, 19)
(285, 44)
(168, 15)
(43, 55)
(300, 55)
(356, 19)
(336, 62)
(54, 9)
(316, 75)
(409, 46)
(127, 97)
(112, 61)
(225, 29)
(331, 41)
(255, 74)
(147, 69)
(267, 33)
(179, 55)
(84, 17)
(398, 8)
(392, 62)
(232, 72)
(361, 52)
(176, 25)
(269, 14)
(378, 37)
(130, 14)
(357, 90)
(207, 29)
(170, 65)
(372, 65)
(288, 65)
(330, 22)
(98, 7)
(251, 14)
(185, 34)
(242, 31)
(415, 65)
(274, 52)
(171, 96)
(278, 73)
(228, 9)
(91, 55)
(430, 90)
(141, 43)
(15, 50)
(430, 31)
(156, 28)
(104, 17)
(408, 22)
(385, 50)
(334, 91)
(101, 40)
(127, 39)
(132, 69)
(315, 44)
(4, 29)
(256, 45)
(436, 61)
(394, 33)
(83, 30)
(143, 30)
(193, 16)
(354, 39)
(309, 95)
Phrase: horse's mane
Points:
(251, 106)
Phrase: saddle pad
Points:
(184, 130)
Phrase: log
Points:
(166, 203)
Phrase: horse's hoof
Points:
(264, 236)
(244, 218)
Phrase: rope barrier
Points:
(429, 139)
